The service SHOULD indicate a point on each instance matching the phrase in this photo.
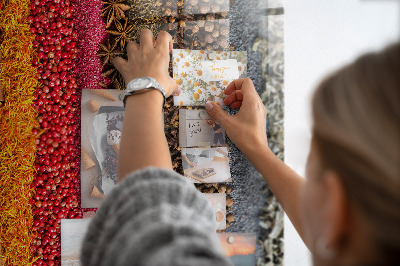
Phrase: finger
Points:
(146, 40)
(231, 88)
(176, 89)
(132, 48)
(218, 113)
(236, 105)
(235, 96)
(119, 64)
(245, 85)
(163, 41)
(177, 92)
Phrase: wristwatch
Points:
(140, 85)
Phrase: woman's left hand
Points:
(149, 59)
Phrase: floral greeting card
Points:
(204, 75)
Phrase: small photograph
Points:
(210, 34)
(218, 201)
(204, 75)
(72, 234)
(151, 9)
(206, 7)
(198, 129)
(102, 114)
(206, 165)
(239, 248)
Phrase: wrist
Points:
(152, 99)
(257, 149)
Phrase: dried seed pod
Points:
(228, 190)
(224, 14)
(210, 17)
(230, 218)
(222, 188)
(209, 26)
(223, 43)
(195, 29)
(224, 30)
(215, 34)
(201, 23)
(229, 201)
(215, 8)
(209, 38)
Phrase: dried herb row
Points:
(17, 145)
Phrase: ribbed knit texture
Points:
(155, 217)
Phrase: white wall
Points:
(322, 35)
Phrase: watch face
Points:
(140, 83)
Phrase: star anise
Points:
(116, 78)
(119, 82)
(108, 52)
(110, 73)
(114, 9)
(122, 33)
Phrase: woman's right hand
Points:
(247, 129)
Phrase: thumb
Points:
(216, 111)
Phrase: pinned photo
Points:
(198, 129)
(102, 114)
(206, 165)
(204, 75)
(239, 248)
(72, 233)
(218, 201)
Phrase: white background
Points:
(320, 36)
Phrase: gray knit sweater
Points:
(154, 217)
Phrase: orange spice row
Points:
(17, 121)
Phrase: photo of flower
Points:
(204, 75)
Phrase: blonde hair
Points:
(356, 114)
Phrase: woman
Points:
(216, 128)
(346, 211)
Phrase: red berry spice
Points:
(58, 142)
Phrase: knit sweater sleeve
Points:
(153, 217)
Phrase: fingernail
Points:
(179, 90)
(209, 106)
